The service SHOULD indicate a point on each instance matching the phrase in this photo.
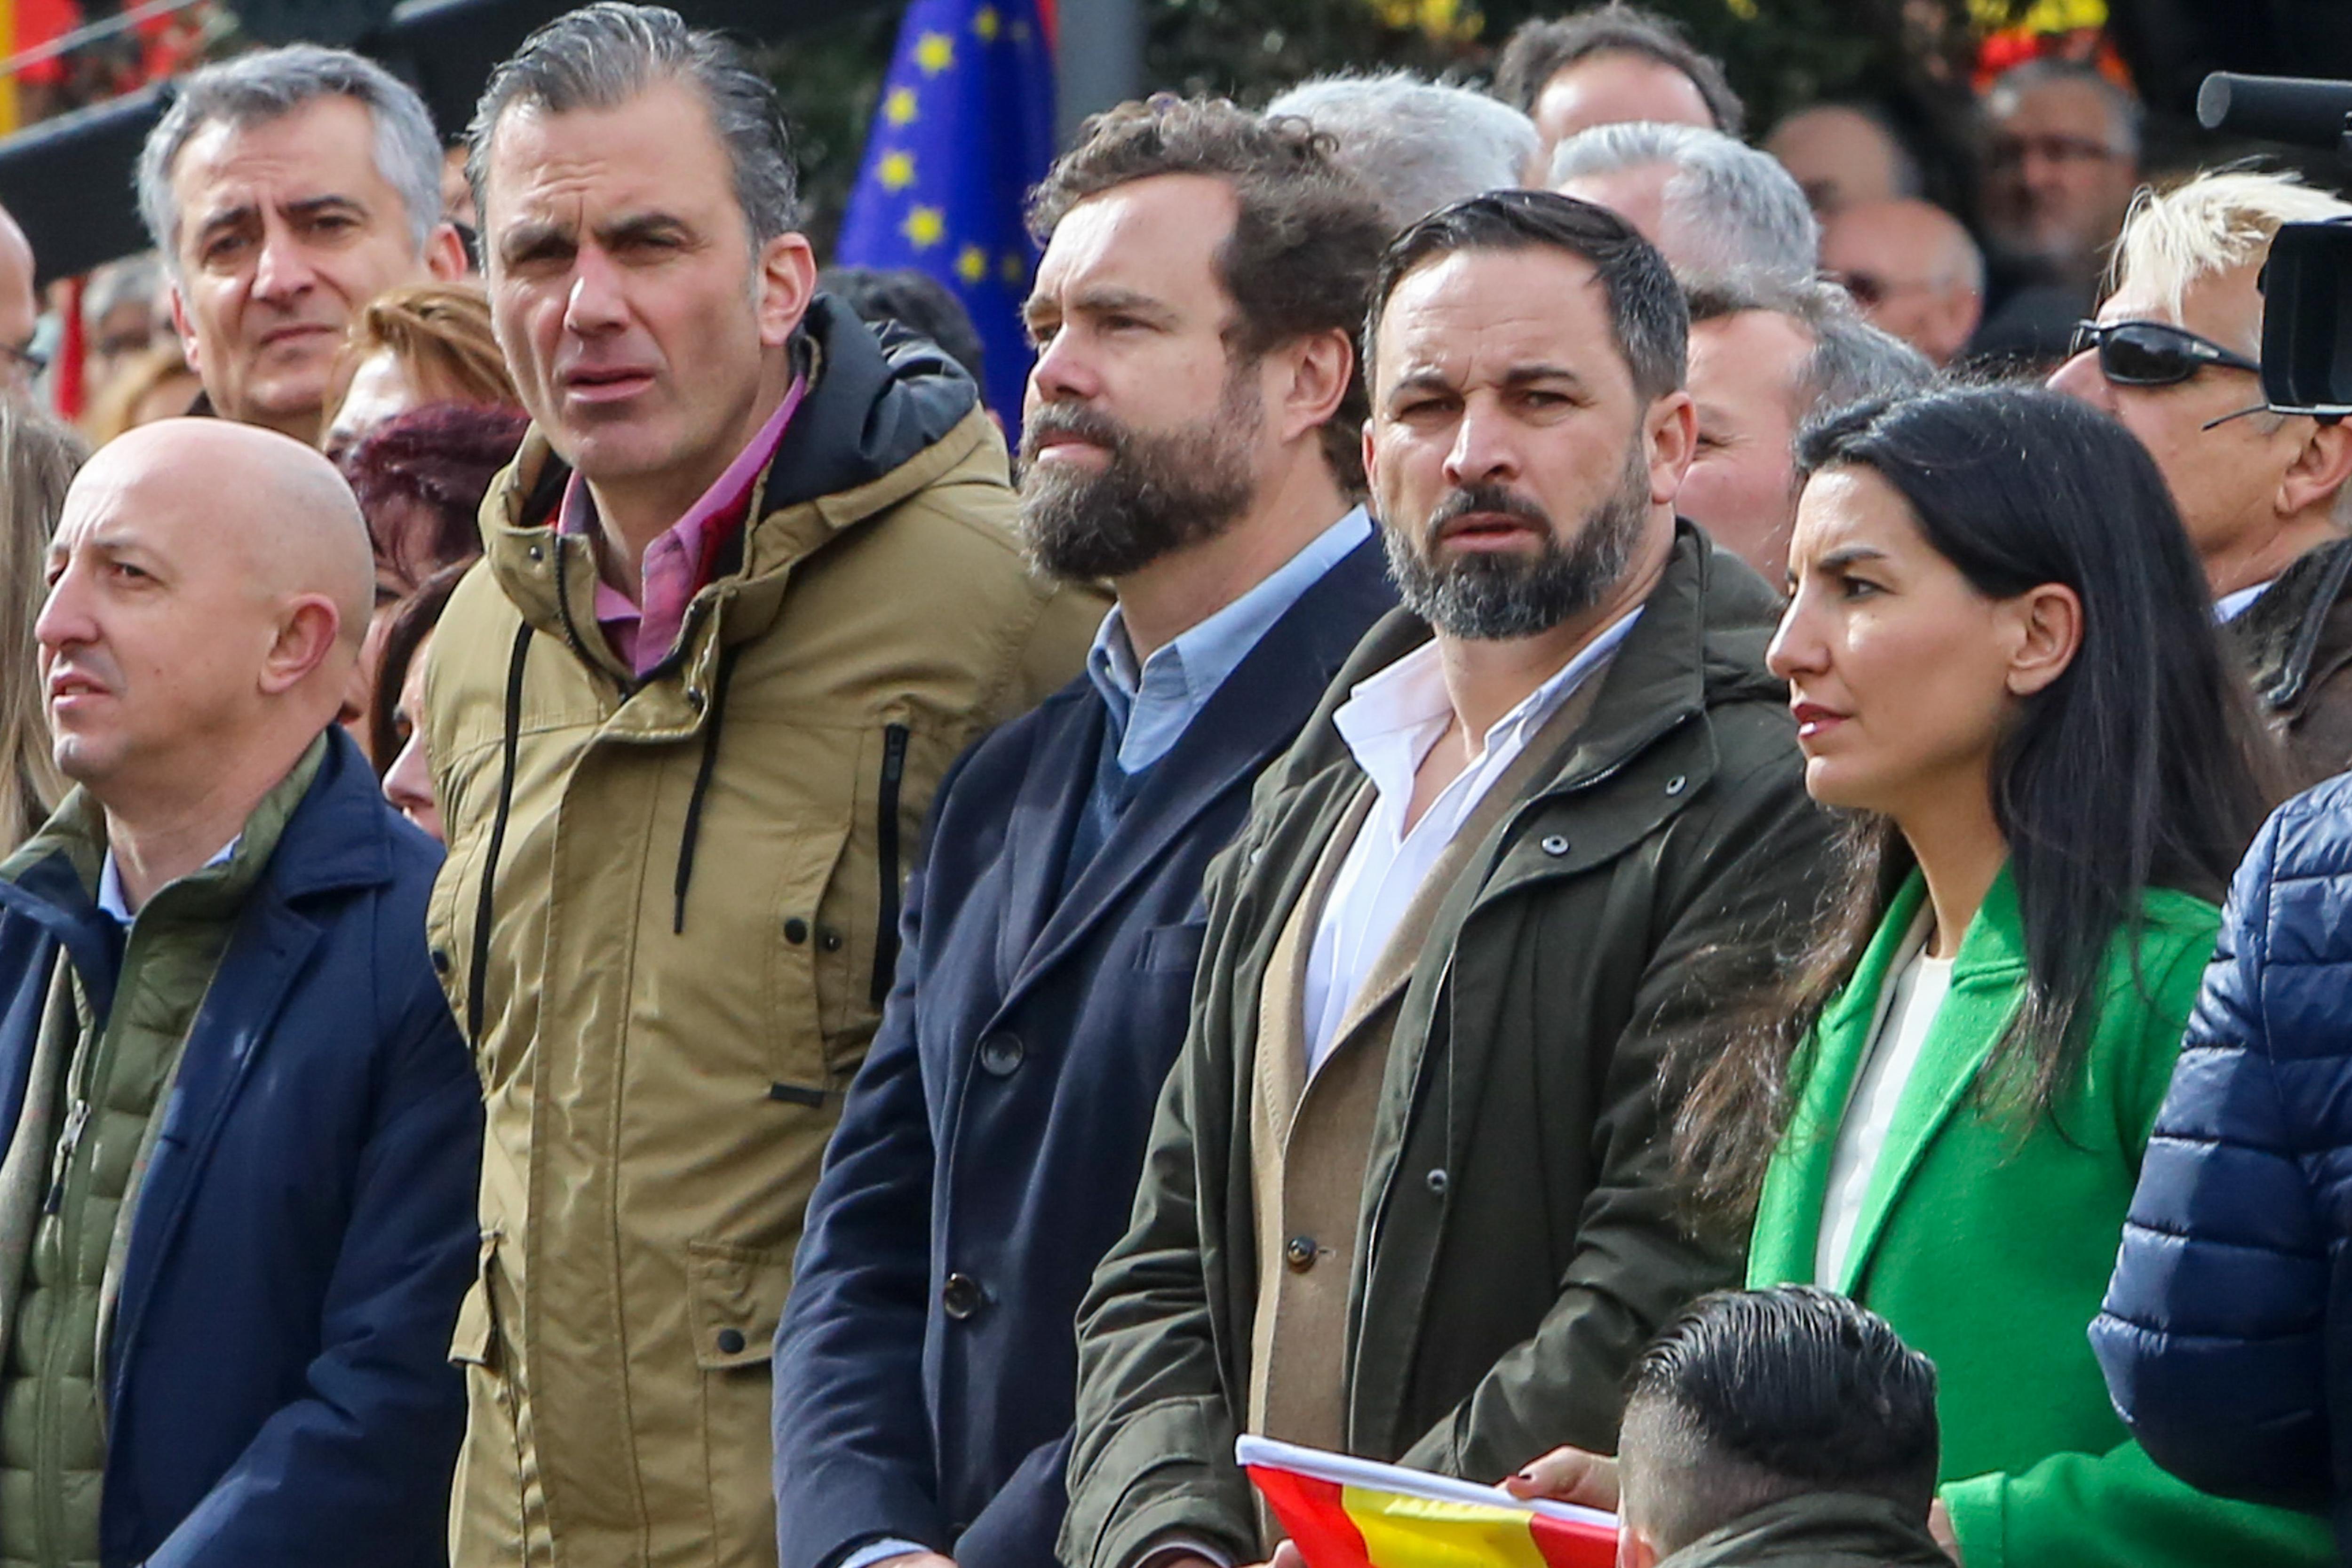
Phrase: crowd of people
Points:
(1543, 817)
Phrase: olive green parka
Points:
(1518, 1241)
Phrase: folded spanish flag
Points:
(1346, 1512)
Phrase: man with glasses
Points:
(2060, 158)
(2175, 355)
(1912, 270)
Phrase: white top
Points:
(1916, 990)
(1390, 722)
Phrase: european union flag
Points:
(964, 129)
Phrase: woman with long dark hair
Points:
(2002, 662)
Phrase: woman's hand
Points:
(1567, 1475)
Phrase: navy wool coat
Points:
(988, 1155)
(277, 1391)
(2227, 1333)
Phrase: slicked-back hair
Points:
(270, 84)
(1753, 1396)
(1541, 49)
(1647, 319)
(1306, 236)
(602, 56)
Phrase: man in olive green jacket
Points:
(1408, 1192)
(749, 589)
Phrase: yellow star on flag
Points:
(898, 170)
(971, 265)
(984, 24)
(899, 108)
(925, 227)
(934, 52)
(1013, 269)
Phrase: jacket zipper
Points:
(76, 1119)
(886, 853)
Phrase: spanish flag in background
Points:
(1344, 1512)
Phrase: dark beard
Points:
(1161, 491)
(1485, 596)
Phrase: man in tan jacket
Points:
(749, 587)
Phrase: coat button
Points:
(1436, 1183)
(536, 554)
(1001, 1054)
(1675, 784)
(1553, 843)
(829, 938)
(1299, 1253)
(731, 1342)
(961, 1297)
(796, 930)
(440, 961)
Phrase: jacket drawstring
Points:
(478, 978)
(701, 785)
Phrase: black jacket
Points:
(987, 1153)
(2294, 643)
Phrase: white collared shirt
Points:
(2230, 606)
(1390, 722)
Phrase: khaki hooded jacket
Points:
(678, 966)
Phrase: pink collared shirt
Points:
(677, 565)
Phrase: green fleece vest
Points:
(52, 1421)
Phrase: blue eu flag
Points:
(965, 127)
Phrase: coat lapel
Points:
(1044, 814)
(1984, 991)
(1249, 721)
(1986, 981)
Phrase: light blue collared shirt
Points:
(1151, 708)
(116, 904)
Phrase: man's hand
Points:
(1567, 1475)
(1939, 1525)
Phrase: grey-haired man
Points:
(285, 189)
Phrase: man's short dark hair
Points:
(602, 56)
(915, 300)
(1307, 236)
(1753, 1396)
(1646, 316)
(1541, 49)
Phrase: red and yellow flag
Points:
(1351, 1513)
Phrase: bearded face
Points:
(1490, 596)
(1154, 493)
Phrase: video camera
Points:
(2308, 283)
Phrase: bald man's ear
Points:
(310, 632)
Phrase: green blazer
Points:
(1987, 1248)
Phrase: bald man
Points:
(1843, 156)
(20, 311)
(238, 1194)
(1912, 269)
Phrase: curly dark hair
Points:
(1300, 259)
(1541, 49)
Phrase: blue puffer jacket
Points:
(2227, 1333)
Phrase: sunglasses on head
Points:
(2152, 353)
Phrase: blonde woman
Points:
(38, 458)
